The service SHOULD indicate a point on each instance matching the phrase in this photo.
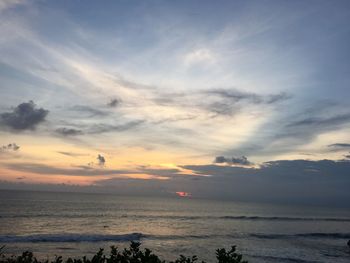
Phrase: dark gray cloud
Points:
(26, 116)
(240, 160)
(9, 147)
(113, 103)
(90, 111)
(68, 131)
(232, 161)
(221, 159)
(101, 160)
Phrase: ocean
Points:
(76, 224)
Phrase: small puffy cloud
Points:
(68, 131)
(9, 147)
(101, 160)
(113, 103)
(233, 161)
(26, 116)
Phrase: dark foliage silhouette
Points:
(133, 254)
(230, 256)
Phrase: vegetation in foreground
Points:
(133, 254)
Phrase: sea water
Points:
(76, 224)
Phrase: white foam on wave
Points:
(69, 238)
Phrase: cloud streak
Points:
(68, 131)
(88, 170)
(340, 145)
(90, 111)
(71, 154)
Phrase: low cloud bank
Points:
(323, 182)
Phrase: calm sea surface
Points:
(75, 224)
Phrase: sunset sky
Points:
(227, 99)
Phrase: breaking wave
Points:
(74, 238)
(303, 235)
(69, 238)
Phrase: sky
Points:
(243, 100)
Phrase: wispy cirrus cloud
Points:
(218, 84)
(323, 122)
(7, 4)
